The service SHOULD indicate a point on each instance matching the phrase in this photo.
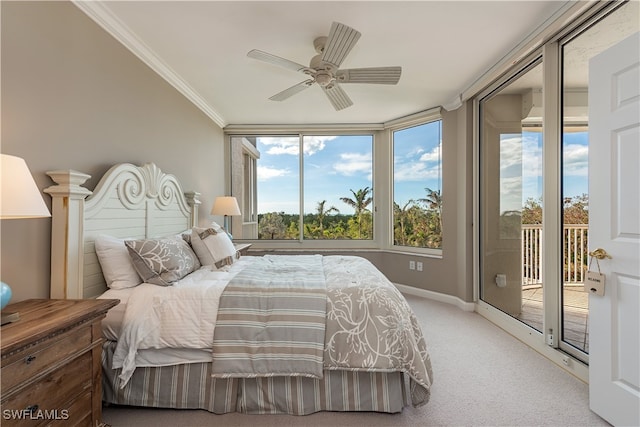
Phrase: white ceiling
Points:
(200, 47)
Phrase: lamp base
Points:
(10, 316)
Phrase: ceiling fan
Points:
(324, 68)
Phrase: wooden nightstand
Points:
(51, 363)
(243, 248)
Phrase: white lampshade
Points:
(225, 205)
(20, 195)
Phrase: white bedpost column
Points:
(193, 200)
(67, 245)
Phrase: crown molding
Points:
(102, 16)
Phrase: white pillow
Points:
(117, 268)
(213, 246)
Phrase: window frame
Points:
(382, 170)
(425, 117)
(399, 128)
(301, 242)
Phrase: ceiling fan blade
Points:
(339, 43)
(276, 60)
(376, 75)
(338, 97)
(281, 96)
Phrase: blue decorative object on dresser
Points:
(5, 295)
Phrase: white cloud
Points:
(520, 155)
(510, 194)
(313, 144)
(510, 152)
(353, 163)
(432, 156)
(415, 172)
(426, 166)
(266, 172)
(281, 145)
(415, 152)
(575, 160)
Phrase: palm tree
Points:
(361, 199)
(434, 201)
(322, 213)
(401, 216)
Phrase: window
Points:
(417, 186)
(308, 187)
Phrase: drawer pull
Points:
(29, 359)
(32, 408)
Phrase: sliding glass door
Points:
(533, 196)
(511, 197)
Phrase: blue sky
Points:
(335, 165)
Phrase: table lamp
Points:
(20, 198)
(227, 206)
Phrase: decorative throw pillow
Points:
(162, 261)
(213, 246)
(117, 269)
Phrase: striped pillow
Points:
(213, 246)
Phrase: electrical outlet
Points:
(419, 266)
(412, 265)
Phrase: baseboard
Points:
(436, 296)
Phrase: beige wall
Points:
(74, 98)
(451, 274)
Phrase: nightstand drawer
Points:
(30, 362)
(62, 395)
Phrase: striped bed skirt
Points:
(190, 386)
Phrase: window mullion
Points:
(301, 187)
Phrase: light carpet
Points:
(482, 377)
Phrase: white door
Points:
(614, 225)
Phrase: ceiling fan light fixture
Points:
(324, 79)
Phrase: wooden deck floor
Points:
(576, 313)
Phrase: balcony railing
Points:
(575, 239)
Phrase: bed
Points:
(209, 329)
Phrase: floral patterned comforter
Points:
(370, 325)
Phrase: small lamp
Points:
(20, 198)
(227, 206)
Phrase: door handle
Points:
(599, 254)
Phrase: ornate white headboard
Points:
(129, 202)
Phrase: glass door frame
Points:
(548, 341)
